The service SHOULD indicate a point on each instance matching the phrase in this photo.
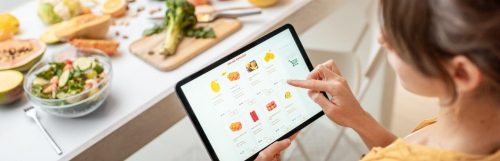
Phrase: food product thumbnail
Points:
(233, 76)
(254, 116)
(269, 56)
(235, 126)
(271, 106)
(251, 66)
(288, 95)
(215, 86)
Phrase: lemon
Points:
(9, 23)
(115, 8)
(215, 86)
(263, 3)
(288, 95)
(269, 56)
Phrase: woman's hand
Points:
(273, 151)
(342, 108)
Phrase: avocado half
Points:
(11, 87)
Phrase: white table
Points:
(136, 86)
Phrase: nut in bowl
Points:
(72, 84)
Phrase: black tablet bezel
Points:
(191, 114)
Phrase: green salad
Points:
(69, 78)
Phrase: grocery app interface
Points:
(245, 104)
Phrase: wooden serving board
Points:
(187, 49)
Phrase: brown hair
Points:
(426, 33)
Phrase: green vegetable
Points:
(179, 18)
(40, 81)
(77, 73)
(83, 63)
(54, 11)
(47, 14)
(201, 32)
(98, 68)
(62, 95)
(75, 86)
(37, 90)
(153, 30)
(64, 78)
(74, 7)
(198, 32)
(55, 69)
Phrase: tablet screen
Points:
(245, 104)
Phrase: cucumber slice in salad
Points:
(64, 78)
(40, 81)
(83, 63)
(62, 95)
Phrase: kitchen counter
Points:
(136, 86)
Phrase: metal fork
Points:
(206, 17)
(31, 112)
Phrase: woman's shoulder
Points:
(400, 150)
(425, 123)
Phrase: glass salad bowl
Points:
(83, 79)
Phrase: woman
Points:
(448, 49)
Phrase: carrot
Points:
(109, 47)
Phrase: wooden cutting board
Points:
(187, 49)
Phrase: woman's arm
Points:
(343, 108)
(372, 133)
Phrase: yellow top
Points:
(399, 151)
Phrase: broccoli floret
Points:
(179, 18)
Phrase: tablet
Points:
(241, 104)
